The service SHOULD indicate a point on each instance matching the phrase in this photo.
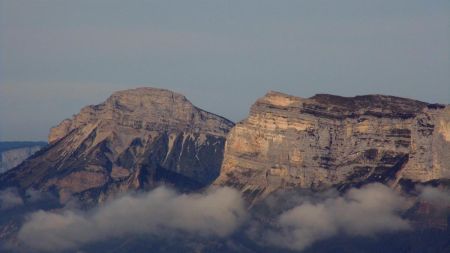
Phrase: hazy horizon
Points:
(59, 56)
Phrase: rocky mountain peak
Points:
(375, 104)
(341, 107)
(328, 140)
(144, 108)
(276, 98)
(137, 138)
(151, 103)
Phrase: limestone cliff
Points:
(329, 140)
(136, 139)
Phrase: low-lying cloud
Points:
(367, 211)
(436, 196)
(10, 198)
(215, 213)
(310, 217)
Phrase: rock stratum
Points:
(289, 151)
(330, 141)
(141, 138)
(136, 139)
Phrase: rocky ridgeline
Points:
(326, 140)
(140, 138)
(136, 139)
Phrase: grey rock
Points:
(136, 139)
(330, 141)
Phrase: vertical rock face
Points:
(329, 140)
(135, 139)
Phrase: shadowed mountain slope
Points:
(136, 139)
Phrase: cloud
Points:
(436, 196)
(300, 219)
(215, 213)
(10, 198)
(360, 212)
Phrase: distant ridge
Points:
(7, 145)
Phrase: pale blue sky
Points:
(57, 56)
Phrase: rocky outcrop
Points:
(136, 139)
(140, 138)
(329, 141)
(13, 153)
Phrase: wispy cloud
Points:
(371, 210)
(215, 213)
(434, 195)
(367, 211)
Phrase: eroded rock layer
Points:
(135, 139)
(329, 140)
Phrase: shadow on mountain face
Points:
(216, 221)
(426, 241)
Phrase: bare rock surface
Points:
(324, 141)
(136, 139)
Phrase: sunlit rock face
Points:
(327, 140)
(136, 139)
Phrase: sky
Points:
(58, 56)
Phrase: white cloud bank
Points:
(370, 210)
(215, 213)
(367, 211)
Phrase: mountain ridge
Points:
(374, 157)
(136, 139)
(289, 141)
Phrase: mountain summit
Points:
(140, 138)
(327, 141)
(136, 139)
(317, 168)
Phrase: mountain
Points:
(331, 141)
(136, 139)
(140, 138)
(304, 165)
(12, 153)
